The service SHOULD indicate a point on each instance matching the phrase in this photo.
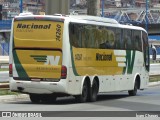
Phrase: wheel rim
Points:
(35, 98)
(84, 92)
(135, 87)
(95, 90)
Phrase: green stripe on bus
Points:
(73, 65)
(20, 70)
(39, 58)
(130, 58)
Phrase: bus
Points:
(4, 41)
(81, 56)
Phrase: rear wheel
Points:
(35, 98)
(134, 91)
(48, 98)
(84, 96)
(94, 91)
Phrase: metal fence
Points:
(4, 49)
(5, 24)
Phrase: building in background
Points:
(34, 6)
(11, 8)
(156, 3)
(78, 4)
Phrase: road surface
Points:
(147, 100)
(4, 76)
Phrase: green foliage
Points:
(7, 92)
(4, 69)
(154, 78)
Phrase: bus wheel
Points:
(35, 98)
(94, 91)
(84, 96)
(49, 98)
(52, 99)
(134, 91)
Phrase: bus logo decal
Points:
(51, 60)
(47, 60)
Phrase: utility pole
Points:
(56, 6)
(1, 12)
(102, 4)
(93, 7)
(147, 2)
(21, 6)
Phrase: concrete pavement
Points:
(154, 69)
(20, 97)
(153, 84)
(4, 60)
(17, 97)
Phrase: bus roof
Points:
(105, 20)
(79, 17)
(83, 17)
(132, 27)
(94, 18)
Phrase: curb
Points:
(19, 97)
(4, 85)
(153, 84)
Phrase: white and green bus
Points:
(82, 56)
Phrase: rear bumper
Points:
(38, 87)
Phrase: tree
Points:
(0, 12)
(93, 7)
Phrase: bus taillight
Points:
(63, 72)
(10, 70)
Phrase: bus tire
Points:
(35, 98)
(49, 98)
(94, 91)
(52, 99)
(84, 96)
(134, 91)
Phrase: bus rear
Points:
(36, 54)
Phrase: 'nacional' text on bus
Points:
(33, 26)
(103, 57)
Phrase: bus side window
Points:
(71, 33)
(126, 39)
(112, 40)
(118, 39)
(139, 44)
(90, 38)
(108, 38)
(75, 36)
(121, 40)
(72, 28)
(137, 40)
(146, 49)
